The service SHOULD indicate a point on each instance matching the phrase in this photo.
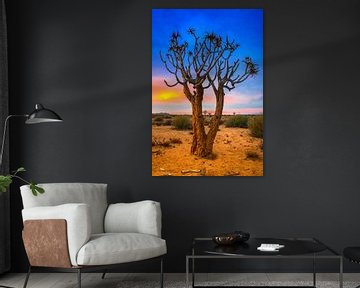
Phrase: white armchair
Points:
(79, 231)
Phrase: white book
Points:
(270, 247)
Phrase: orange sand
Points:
(230, 148)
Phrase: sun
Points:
(168, 95)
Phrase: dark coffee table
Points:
(295, 248)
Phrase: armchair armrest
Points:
(77, 217)
(138, 217)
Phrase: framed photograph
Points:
(207, 92)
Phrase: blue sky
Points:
(245, 26)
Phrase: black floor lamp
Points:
(39, 115)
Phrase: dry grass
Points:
(160, 142)
(175, 140)
(252, 155)
(164, 142)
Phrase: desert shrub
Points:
(207, 121)
(161, 142)
(165, 143)
(158, 119)
(239, 121)
(256, 126)
(167, 123)
(175, 140)
(252, 155)
(182, 123)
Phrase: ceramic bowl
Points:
(225, 239)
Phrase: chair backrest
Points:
(62, 193)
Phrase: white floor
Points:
(115, 280)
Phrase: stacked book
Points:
(270, 247)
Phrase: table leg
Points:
(193, 268)
(314, 271)
(341, 273)
(187, 272)
(193, 272)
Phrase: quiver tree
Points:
(206, 63)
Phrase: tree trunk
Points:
(198, 146)
(202, 144)
(215, 121)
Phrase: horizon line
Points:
(190, 114)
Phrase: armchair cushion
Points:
(113, 248)
(92, 194)
(78, 221)
(138, 217)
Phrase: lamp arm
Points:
(4, 134)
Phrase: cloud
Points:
(164, 94)
(173, 100)
(244, 111)
(237, 100)
(172, 108)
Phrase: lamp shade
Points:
(42, 115)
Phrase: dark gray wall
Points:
(91, 61)
(4, 166)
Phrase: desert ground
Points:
(236, 153)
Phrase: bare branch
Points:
(206, 63)
(171, 85)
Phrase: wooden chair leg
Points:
(27, 277)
